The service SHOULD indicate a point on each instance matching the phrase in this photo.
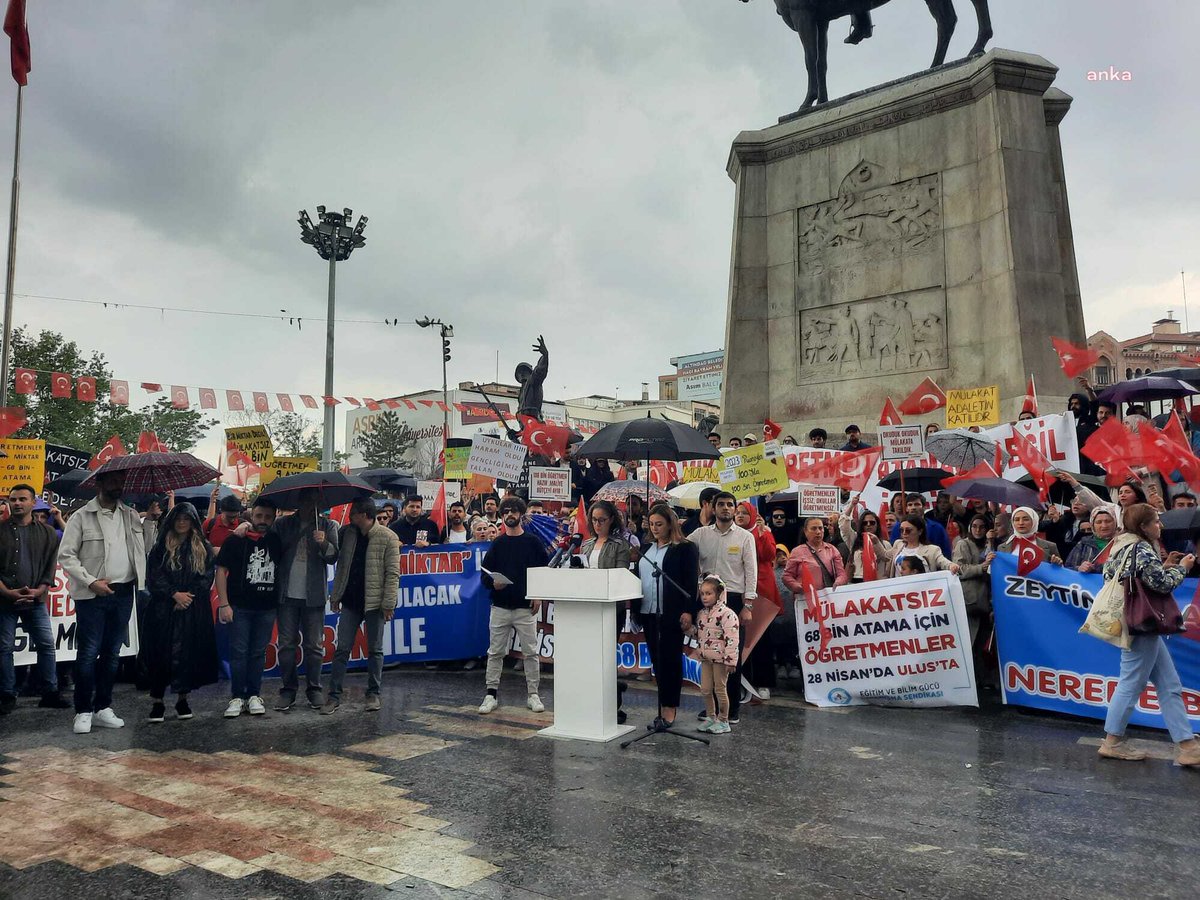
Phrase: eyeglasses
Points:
(600, 520)
(908, 530)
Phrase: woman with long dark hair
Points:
(607, 549)
(669, 567)
(178, 644)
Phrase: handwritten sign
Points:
(283, 466)
(456, 463)
(973, 406)
(819, 499)
(253, 440)
(746, 472)
(693, 473)
(24, 462)
(496, 458)
(549, 484)
(902, 441)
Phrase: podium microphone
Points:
(565, 553)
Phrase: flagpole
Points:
(6, 352)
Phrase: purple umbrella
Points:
(995, 490)
(1149, 387)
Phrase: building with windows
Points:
(1167, 346)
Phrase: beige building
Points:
(1167, 346)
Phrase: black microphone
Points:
(562, 554)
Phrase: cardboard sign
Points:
(747, 472)
(456, 463)
(429, 492)
(902, 441)
(496, 458)
(284, 466)
(692, 473)
(252, 440)
(973, 406)
(549, 484)
(820, 499)
(24, 462)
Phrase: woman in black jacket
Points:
(178, 644)
(669, 604)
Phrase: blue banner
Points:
(1046, 663)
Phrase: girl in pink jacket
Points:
(716, 629)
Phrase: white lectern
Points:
(585, 648)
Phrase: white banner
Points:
(62, 623)
(902, 441)
(429, 492)
(546, 483)
(1053, 435)
(900, 642)
(496, 458)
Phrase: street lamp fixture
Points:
(447, 332)
(334, 241)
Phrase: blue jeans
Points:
(1148, 660)
(249, 633)
(101, 627)
(35, 619)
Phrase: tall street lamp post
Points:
(334, 240)
(447, 333)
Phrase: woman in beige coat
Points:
(913, 542)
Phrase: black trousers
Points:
(664, 638)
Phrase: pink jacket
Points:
(717, 630)
(803, 556)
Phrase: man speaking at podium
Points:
(505, 573)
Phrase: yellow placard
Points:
(973, 406)
(456, 463)
(746, 472)
(24, 462)
(698, 473)
(253, 440)
(283, 466)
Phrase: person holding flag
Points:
(1091, 550)
(1025, 524)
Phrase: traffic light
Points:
(446, 349)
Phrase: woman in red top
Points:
(759, 669)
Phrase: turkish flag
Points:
(812, 603)
(208, 398)
(1030, 404)
(544, 438)
(85, 389)
(1115, 448)
(240, 467)
(370, 404)
(260, 402)
(309, 401)
(1034, 462)
(979, 470)
(426, 403)
(285, 402)
(112, 448)
(233, 400)
(391, 404)
(869, 565)
(890, 416)
(152, 387)
(12, 420)
(850, 471)
(60, 384)
(581, 522)
(25, 381)
(118, 393)
(1173, 429)
(148, 442)
(331, 401)
(438, 513)
(409, 403)
(353, 401)
(461, 407)
(953, 532)
(18, 34)
(1029, 555)
(1074, 360)
(771, 430)
(179, 397)
(925, 398)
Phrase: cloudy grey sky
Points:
(527, 166)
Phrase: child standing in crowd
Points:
(911, 565)
(716, 629)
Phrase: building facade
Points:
(1166, 346)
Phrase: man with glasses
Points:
(728, 552)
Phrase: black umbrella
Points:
(333, 489)
(920, 480)
(69, 484)
(389, 480)
(1181, 521)
(1148, 387)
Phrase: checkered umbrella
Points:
(153, 473)
(619, 492)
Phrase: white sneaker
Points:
(764, 694)
(234, 709)
(106, 718)
(255, 706)
(535, 703)
(489, 704)
(83, 723)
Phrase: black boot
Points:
(54, 700)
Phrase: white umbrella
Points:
(688, 495)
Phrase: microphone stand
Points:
(653, 732)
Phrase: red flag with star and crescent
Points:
(25, 381)
(890, 416)
(544, 438)
(1029, 555)
(1074, 360)
(925, 398)
(60, 384)
(438, 513)
(12, 420)
(118, 393)
(148, 442)
(812, 602)
(1116, 449)
(85, 389)
(208, 398)
(1034, 462)
(869, 564)
(850, 471)
(112, 448)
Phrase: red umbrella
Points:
(153, 473)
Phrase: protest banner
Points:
(549, 484)
(693, 472)
(59, 461)
(496, 458)
(62, 623)
(23, 461)
(902, 441)
(429, 493)
(746, 472)
(973, 406)
(1046, 663)
(283, 466)
(1053, 435)
(456, 463)
(253, 440)
(901, 642)
(819, 499)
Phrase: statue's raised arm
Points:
(531, 379)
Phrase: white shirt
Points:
(456, 537)
(118, 567)
(731, 556)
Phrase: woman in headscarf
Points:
(1090, 546)
(1025, 525)
(177, 643)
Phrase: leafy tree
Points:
(388, 444)
(85, 425)
(294, 435)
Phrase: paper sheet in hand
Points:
(498, 579)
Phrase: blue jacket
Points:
(933, 531)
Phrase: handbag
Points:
(1149, 611)
(1106, 617)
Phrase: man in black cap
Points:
(854, 440)
(225, 522)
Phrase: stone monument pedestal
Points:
(916, 229)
